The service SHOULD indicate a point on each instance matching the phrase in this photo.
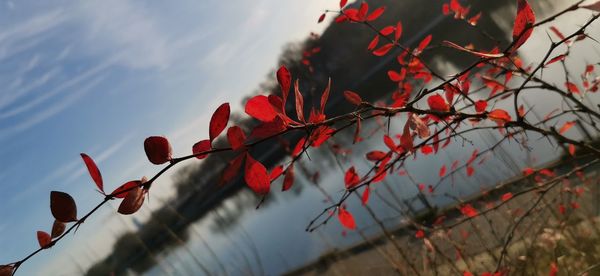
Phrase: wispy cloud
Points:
(126, 30)
(52, 110)
(63, 87)
(19, 36)
(19, 89)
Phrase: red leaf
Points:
(352, 14)
(523, 24)
(455, 6)
(572, 149)
(427, 149)
(442, 171)
(343, 3)
(554, 267)
(325, 96)
(493, 84)
(445, 9)
(362, 11)
(528, 171)
(218, 121)
(352, 97)
(376, 155)
(365, 196)
(468, 211)
(267, 129)
(276, 102)
(299, 147)
(321, 18)
(557, 32)
(446, 143)
(500, 116)
(406, 140)
(395, 76)
(259, 107)
(572, 88)
(420, 234)
(43, 239)
(284, 78)
(383, 50)
(475, 19)
(63, 207)
(387, 30)
(506, 196)
(132, 202)
(276, 172)
(562, 209)
(480, 106)
(589, 68)
(236, 137)
(6, 270)
(232, 169)
(373, 43)
(351, 178)
(121, 191)
(346, 219)
(398, 31)
(422, 45)
(566, 127)
(450, 90)
(438, 103)
(299, 102)
(201, 147)
(380, 174)
(288, 179)
(389, 142)
(157, 149)
(58, 228)
(555, 59)
(376, 14)
(94, 171)
(521, 111)
(419, 125)
(479, 54)
(256, 176)
(320, 135)
(470, 170)
(454, 164)
(474, 155)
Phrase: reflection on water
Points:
(215, 229)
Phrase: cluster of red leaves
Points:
(357, 15)
(271, 112)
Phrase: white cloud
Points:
(50, 111)
(17, 90)
(57, 90)
(127, 31)
(21, 35)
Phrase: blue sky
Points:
(100, 76)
